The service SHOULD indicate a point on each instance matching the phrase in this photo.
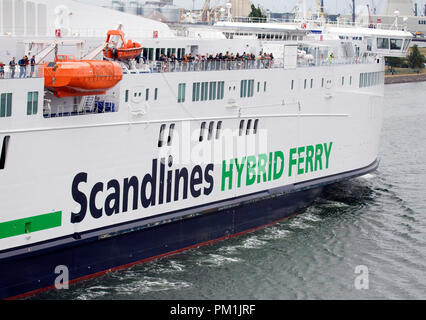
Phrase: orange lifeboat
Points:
(67, 77)
(128, 50)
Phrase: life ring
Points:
(303, 25)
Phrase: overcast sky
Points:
(331, 6)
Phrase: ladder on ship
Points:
(88, 103)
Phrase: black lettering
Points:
(132, 183)
(152, 180)
(179, 175)
(115, 196)
(209, 179)
(95, 212)
(197, 171)
(79, 197)
(162, 174)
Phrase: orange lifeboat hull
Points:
(124, 53)
(82, 77)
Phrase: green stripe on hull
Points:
(31, 224)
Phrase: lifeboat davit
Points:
(127, 51)
(67, 77)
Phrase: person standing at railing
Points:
(1, 70)
(23, 68)
(33, 63)
(12, 65)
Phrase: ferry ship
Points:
(109, 158)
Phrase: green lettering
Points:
(292, 161)
(327, 153)
(300, 161)
(240, 169)
(270, 167)
(318, 156)
(309, 159)
(251, 170)
(261, 167)
(278, 174)
(227, 174)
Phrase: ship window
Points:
(243, 89)
(258, 87)
(181, 92)
(322, 83)
(126, 97)
(241, 127)
(5, 105)
(146, 94)
(250, 88)
(161, 136)
(4, 152)
(304, 86)
(156, 94)
(312, 83)
(196, 91)
(264, 86)
(343, 81)
(292, 84)
(157, 54)
(220, 90)
(203, 128)
(212, 91)
(211, 126)
(248, 127)
(395, 44)
(218, 129)
(151, 54)
(32, 103)
(350, 80)
(256, 124)
(171, 133)
(382, 43)
(204, 90)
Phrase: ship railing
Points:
(66, 110)
(18, 72)
(219, 65)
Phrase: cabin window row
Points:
(5, 105)
(139, 94)
(369, 79)
(162, 136)
(203, 91)
(152, 54)
(250, 128)
(211, 128)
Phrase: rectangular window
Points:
(151, 54)
(292, 84)
(126, 96)
(29, 103)
(171, 133)
(243, 90)
(264, 86)
(156, 94)
(204, 91)
(312, 83)
(4, 152)
(5, 105)
(256, 124)
(250, 88)
(322, 83)
(161, 136)
(211, 126)
(220, 90)
(212, 92)
(146, 94)
(258, 87)
(203, 128)
(383, 43)
(343, 81)
(350, 80)
(181, 92)
(304, 85)
(396, 44)
(248, 127)
(241, 127)
(218, 130)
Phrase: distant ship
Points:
(208, 133)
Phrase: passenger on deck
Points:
(33, 63)
(12, 65)
(1, 70)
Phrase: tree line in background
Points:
(415, 60)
